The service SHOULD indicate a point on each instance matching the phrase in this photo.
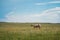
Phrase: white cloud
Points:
(40, 4)
(54, 2)
(50, 15)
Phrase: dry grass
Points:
(11, 31)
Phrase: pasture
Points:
(24, 31)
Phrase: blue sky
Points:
(30, 11)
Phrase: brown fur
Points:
(36, 26)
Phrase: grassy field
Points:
(23, 31)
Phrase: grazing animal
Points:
(36, 25)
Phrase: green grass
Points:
(23, 31)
